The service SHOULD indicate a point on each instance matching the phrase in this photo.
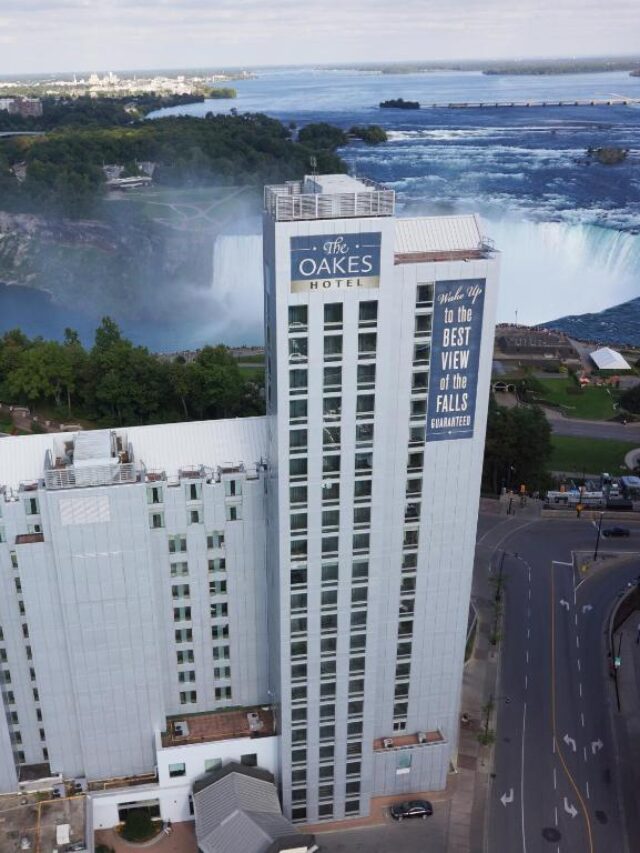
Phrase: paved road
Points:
(593, 429)
(410, 836)
(555, 786)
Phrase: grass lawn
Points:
(593, 404)
(588, 455)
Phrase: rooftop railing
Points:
(287, 202)
(74, 477)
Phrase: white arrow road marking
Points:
(564, 603)
(570, 808)
(569, 742)
(586, 608)
(505, 799)
(596, 746)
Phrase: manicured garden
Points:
(594, 403)
(588, 455)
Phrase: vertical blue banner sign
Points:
(455, 355)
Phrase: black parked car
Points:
(616, 532)
(415, 808)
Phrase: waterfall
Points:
(550, 269)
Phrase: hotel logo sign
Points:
(335, 261)
(455, 356)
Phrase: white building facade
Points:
(289, 591)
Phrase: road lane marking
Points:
(528, 633)
(588, 797)
(555, 809)
(529, 595)
(552, 626)
(586, 608)
(562, 563)
(505, 799)
(570, 742)
(580, 689)
(526, 681)
(584, 752)
(527, 655)
(582, 718)
(555, 780)
(576, 620)
(570, 808)
(577, 642)
(578, 664)
(596, 746)
(524, 725)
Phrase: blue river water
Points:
(568, 228)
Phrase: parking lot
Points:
(35, 819)
(410, 836)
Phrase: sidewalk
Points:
(627, 721)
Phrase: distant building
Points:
(25, 107)
(606, 358)
(543, 343)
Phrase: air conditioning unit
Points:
(422, 737)
(387, 742)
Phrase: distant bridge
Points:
(589, 102)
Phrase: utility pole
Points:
(595, 553)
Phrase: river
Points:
(568, 230)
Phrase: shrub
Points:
(138, 826)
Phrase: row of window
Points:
(193, 491)
(333, 315)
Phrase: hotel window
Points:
(218, 564)
(366, 375)
(222, 672)
(359, 618)
(328, 622)
(184, 656)
(14, 559)
(154, 494)
(363, 461)
(329, 573)
(415, 461)
(298, 468)
(298, 625)
(298, 549)
(298, 576)
(219, 632)
(327, 669)
(298, 318)
(193, 491)
(298, 814)
(330, 491)
(418, 409)
(412, 512)
(360, 570)
(329, 599)
(298, 602)
(299, 649)
(297, 440)
(189, 697)
(425, 294)
(330, 519)
(331, 464)
(332, 407)
(222, 693)
(181, 614)
(420, 381)
(299, 672)
(177, 544)
(233, 488)
(368, 313)
(180, 590)
(365, 404)
(423, 325)
(218, 610)
(362, 490)
(31, 506)
(367, 343)
(297, 349)
(184, 635)
(234, 513)
(297, 410)
(408, 584)
(299, 694)
(328, 646)
(298, 522)
(364, 435)
(3, 537)
(179, 569)
(298, 495)
(211, 764)
(217, 587)
(333, 347)
(332, 378)
(177, 769)
(298, 381)
(360, 542)
(215, 539)
(221, 653)
(194, 516)
(333, 314)
(410, 539)
(299, 776)
(356, 666)
(331, 438)
(328, 712)
(414, 486)
(329, 545)
(421, 354)
(187, 675)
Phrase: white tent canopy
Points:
(608, 359)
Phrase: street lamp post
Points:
(595, 553)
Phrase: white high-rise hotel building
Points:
(289, 591)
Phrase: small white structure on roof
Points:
(606, 358)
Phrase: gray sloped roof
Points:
(238, 811)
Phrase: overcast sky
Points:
(68, 35)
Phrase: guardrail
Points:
(74, 477)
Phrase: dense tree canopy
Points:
(518, 448)
(116, 382)
(64, 168)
